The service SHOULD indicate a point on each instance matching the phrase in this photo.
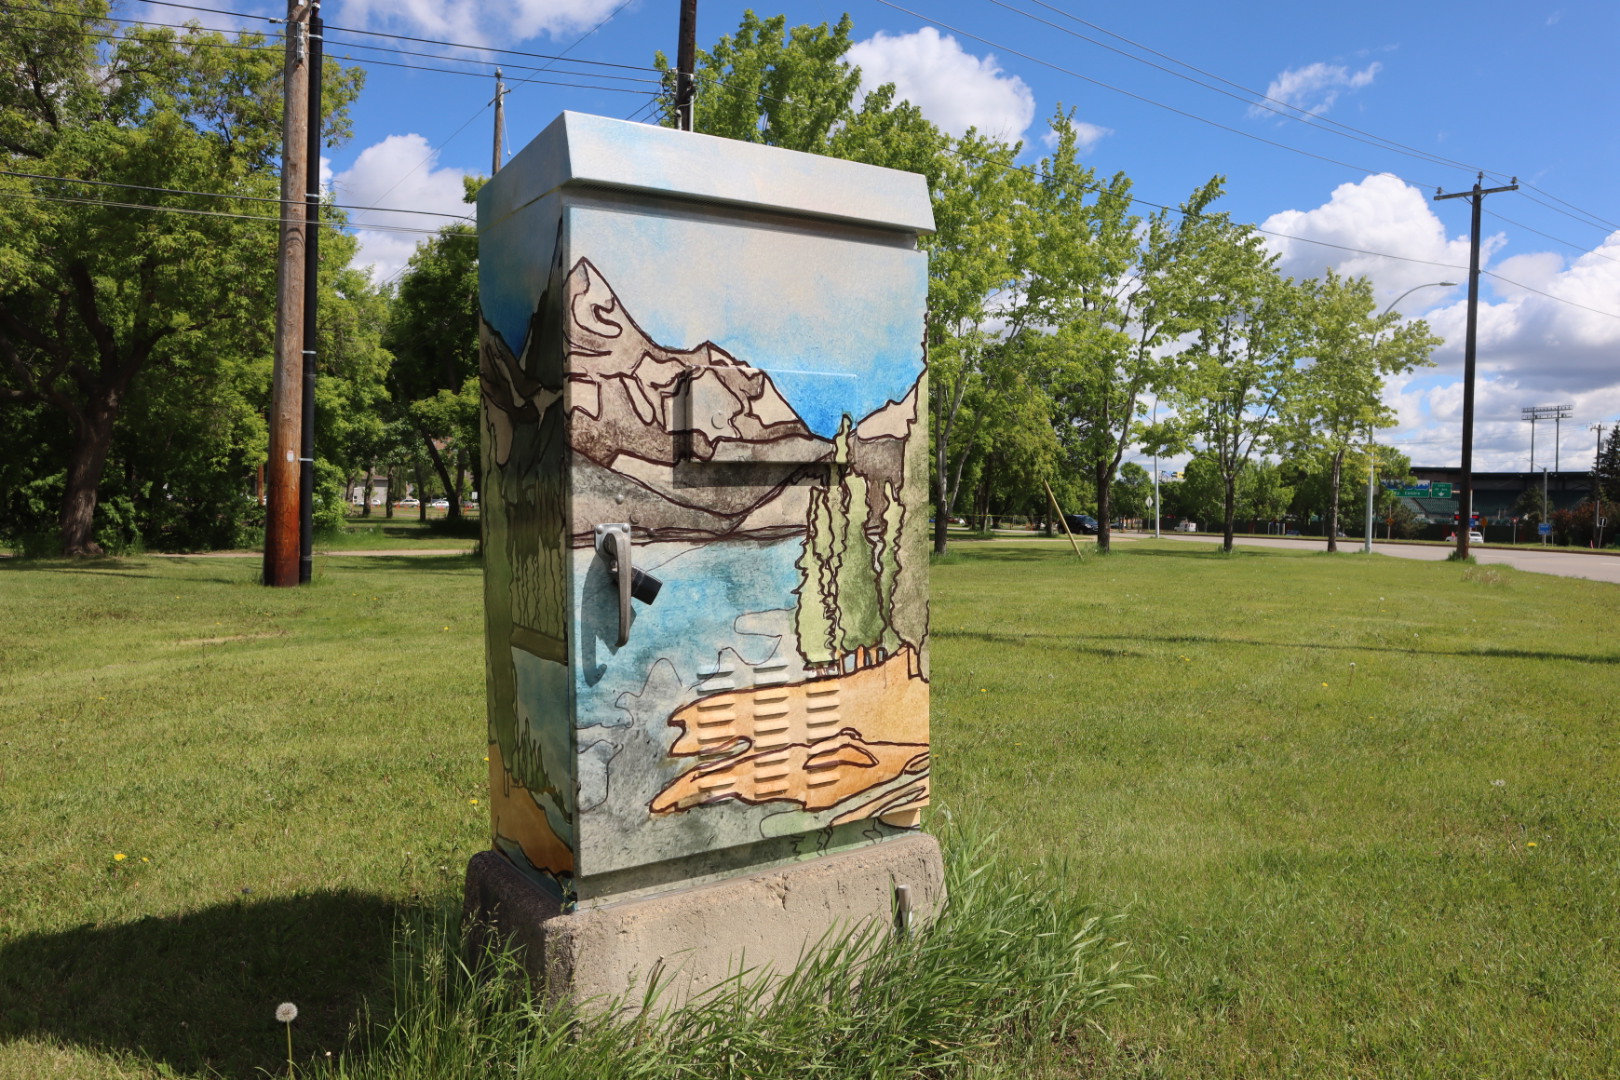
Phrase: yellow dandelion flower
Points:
(473, 801)
(145, 859)
(119, 856)
(1324, 684)
(1530, 844)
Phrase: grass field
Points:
(1362, 814)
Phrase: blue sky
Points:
(1517, 87)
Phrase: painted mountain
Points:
(699, 444)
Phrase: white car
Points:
(440, 504)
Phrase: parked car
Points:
(1187, 526)
(440, 504)
(1084, 524)
(409, 502)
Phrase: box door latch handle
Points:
(613, 545)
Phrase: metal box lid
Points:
(581, 149)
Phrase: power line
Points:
(1548, 295)
(465, 124)
(1392, 143)
(190, 211)
(220, 194)
(1305, 116)
(1602, 221)
(1135, 96)
(361, 61)
(1249, 97)
(1550, 236)
(506, 52)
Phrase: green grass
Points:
(402, 532)
(1318, 860)
(1325, 879)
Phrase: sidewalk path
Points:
(1562, 563)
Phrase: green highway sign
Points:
(1431, 491)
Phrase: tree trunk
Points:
(92, 440)
(444, 475)
(1105, 500)
(461, 482)
(1333, 502)
(393, 492)
(365, 494)
(1231, 511)
(421, 493)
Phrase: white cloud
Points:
(953, 88)
(1533, 349)
(1378, 214)
(1315, 87)
(401, 171)
(1086, 135)
(481, 22)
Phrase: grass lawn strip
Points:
(1407, 866)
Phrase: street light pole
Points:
(1372, 454)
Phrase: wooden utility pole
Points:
(500, 120)
(685, 65)
(1465, 497)
(286, 389)
(312, 292)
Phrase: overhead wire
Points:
(1133, 95)
(364, 61)
(195, 212)
(1260, 99)
(1549, 236)
(656, 95)
(221, 194)
(1271, 103)
(433, 152)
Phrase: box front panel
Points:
(750, 398)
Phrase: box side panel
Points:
(751, 401)
(524, 499)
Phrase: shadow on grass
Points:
(437, 564)
(989, 637)
(198, 992)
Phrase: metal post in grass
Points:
(1372, 448)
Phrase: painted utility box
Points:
(705, 508)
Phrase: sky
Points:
(1333, 124)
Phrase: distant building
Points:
(1496, 493)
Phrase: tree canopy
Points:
(134, 314)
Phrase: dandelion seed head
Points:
(286, 1012)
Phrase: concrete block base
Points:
(691, 939)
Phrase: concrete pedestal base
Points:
(692, 939)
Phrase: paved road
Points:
(1562, 563)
